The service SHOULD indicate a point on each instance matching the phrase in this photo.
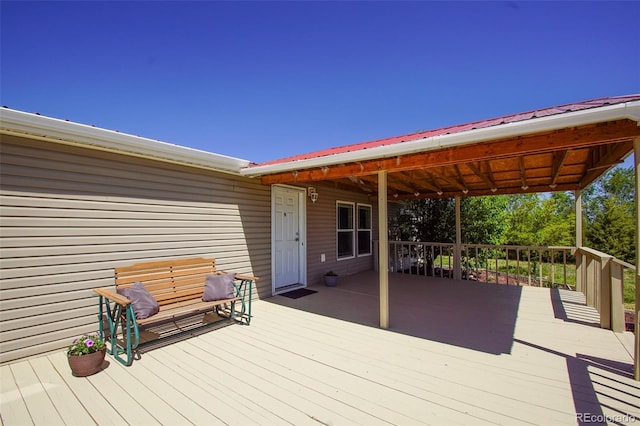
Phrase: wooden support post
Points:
(457, 255)
(384, 249)
(590, 281)
(605, 293)
(579, 234)
(617, 298)
(636, 365)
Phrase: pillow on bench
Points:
(144, 304)
(218, 287)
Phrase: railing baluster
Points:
(540, 257)
(529, 265)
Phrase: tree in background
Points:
(534, 220)
(483, 220)
(610, 214)
(425, 220)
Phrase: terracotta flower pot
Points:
(86, 365)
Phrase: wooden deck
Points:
(458, 353)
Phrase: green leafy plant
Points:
(87, 344)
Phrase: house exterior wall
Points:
(322, 235)
(70, 215)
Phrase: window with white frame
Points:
(364, 230)
(345, 229)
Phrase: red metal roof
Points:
(577, 106)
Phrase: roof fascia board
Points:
(628, 110)
(21, 123)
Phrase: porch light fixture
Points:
(313, 194)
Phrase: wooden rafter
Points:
(460, 180)
(523, 176)
(486, 176)
(428, 180)
(603, 160)
(557, 163)
(395, 184)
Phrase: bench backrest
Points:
(169, 281)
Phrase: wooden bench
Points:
(177, 286)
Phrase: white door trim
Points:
(302, 249)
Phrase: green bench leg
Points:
(245, 288)
(126, 321)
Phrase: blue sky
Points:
(265, 80)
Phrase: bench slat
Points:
(184, 308)
(163, 263)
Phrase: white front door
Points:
(288, 237)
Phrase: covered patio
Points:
(455, 352)
(561, 148)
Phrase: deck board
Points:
(439, 383)
(322, 359)
(12, 405)
(40, 407)
(319, 397)
(86, 393)
(68, 407)
(302, 377)
(247, 406)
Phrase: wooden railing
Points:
(421, 258)
(519, 265)
(599, 276)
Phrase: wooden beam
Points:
(398, 185)
(558, 162)
(603, 133)
(482, 192)
(605, 160)
(486, 177)
(523, 177)
(421, 180)
(461, 181)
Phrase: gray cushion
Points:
(144, 304)
(218, 287)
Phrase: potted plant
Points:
(330, 279)
(86, 355)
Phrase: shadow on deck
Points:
(467, 314)
(488, 318)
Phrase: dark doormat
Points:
(296, 294)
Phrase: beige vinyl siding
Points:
(321, 231)
(70, 215)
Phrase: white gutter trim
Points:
(627, 110)
(21, 123)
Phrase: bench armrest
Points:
(112, 296)
(246, 277)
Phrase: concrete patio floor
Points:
(456, 353)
